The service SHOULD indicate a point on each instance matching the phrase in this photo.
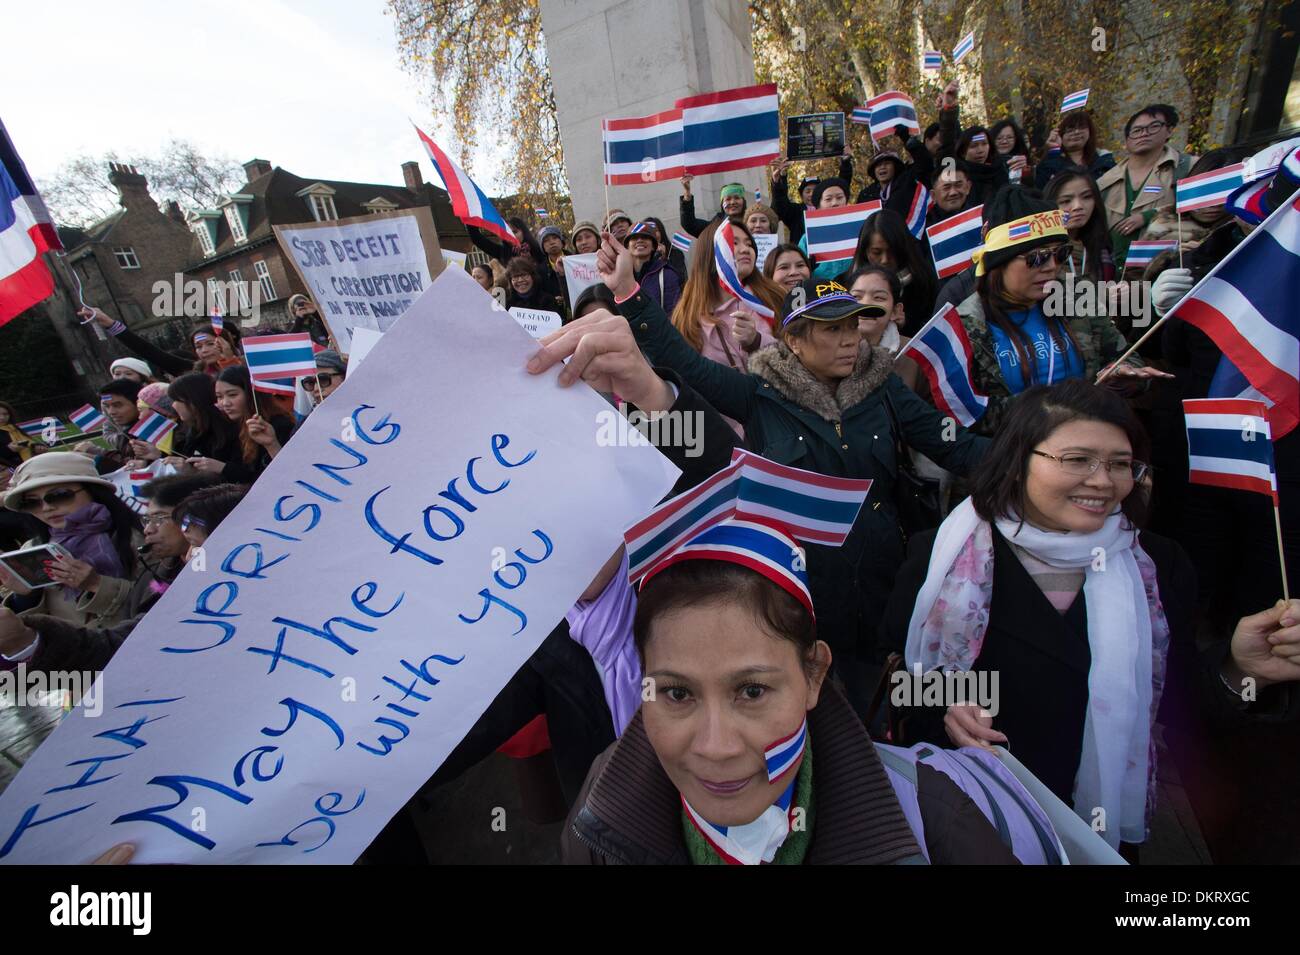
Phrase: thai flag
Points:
(965, 46)
(468, 201)
(724, 256)
(541, 213)
(833, 233)
(137, 480)
(1229, 444)
(645, 149)
(153, 427)
(277, 386)
(1143, 252)
(1153, 190)
(682, 241)
(942, 351)
(734, 129)
(217, 319)
(675, 521)
(279, 356)
(1209, 188)
(890, 110)
(26, 232)
(1019, 231)
(87, 418)
(954, 240)
(861, 115)
(811, 507)
(917, 210)
(782, 755)
(1264, 163)
(1247, 306)
(36, 427)
(745, 845)
(932, 60)
(1075, 100)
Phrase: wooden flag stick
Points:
(1180, 236)
(1132, 348)
(1281, 552)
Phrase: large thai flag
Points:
(833, 233)
(279, 356)
(1229, 444)
(734, 129)
(890, 110)
(468, 201)
(942, 351)
(647, 149)
(26, 232)
(724, 257)
(153, 427)
(954, 240)
(1209, 188)
(1247, 306)
(920, 205)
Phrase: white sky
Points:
(316, 86)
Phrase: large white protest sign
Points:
(764, 243)
(365, 271)
(580, 274)
(363, 339)
(354, 616)
(537, 321)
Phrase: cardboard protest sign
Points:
(365, 271)
(354, 616)
(537, 321)
(580, 274)
(814, 136)
(764, 243)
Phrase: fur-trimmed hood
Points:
(781, 368)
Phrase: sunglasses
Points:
(52, 499)
(1040, 257)
(323, 380)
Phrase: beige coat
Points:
(1113, 189)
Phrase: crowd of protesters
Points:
(976, 550)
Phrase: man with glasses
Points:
(1143, 184)
(330, 372)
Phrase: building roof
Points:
(73, 236)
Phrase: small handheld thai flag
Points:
(954, 241)
(138, 479)
(1209, 188)
(917, 210)
(964, 47)
(682, 241)
(833, 233)
(153, 427)
(277, 386)
(1229, 444)
(37, 426)
(942, 351)
(724, 257)
(87, 418)
(217, 319)
(932, 61)
(541, 213)
(860, 115)
(279, 356)
(468, 202)
(1143, 252)
(889, 111)
(1075, 101)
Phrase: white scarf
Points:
(1128, 636)
(892, 339)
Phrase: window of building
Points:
(264, 277)
(125, 256)
(205, 238)
(322, 208)
(237, 281)
(236, 224)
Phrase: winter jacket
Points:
(1056, 160)
(792, 418)
(660, 281)
(1114, 196)
(109, 604)
(630, 813)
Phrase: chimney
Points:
(132, 188)
(411, 176)
(256, 168)
(174, 213)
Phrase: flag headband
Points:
(979, 138)
(1023, 231)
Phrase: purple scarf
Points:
(85, 533)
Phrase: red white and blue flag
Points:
(916, 211)
(964, 46)
(1075, 100)
(38, 426)
(26, 232)
(682, 241)
(754, 843)
(890, 110)
(137, 481)
(942, 351)
(833, 233)
(277, 386)
(87, 418)
(469, 203)
(279, 356)
(1209, 188)
(1229, 444)
(860, 115)
(932, 60)
(152, 427)
(1247, 306)
(954, 240)
(724, 256)
(733, 129)
(782, 755)
(217, 320)
(1143, 252)
(643, 149)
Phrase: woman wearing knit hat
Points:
(829, 194)
(652, 272)
(731, 206)
(133, 369)
(153, 397)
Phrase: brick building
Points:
(235, 241)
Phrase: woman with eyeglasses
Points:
(1018, 334)
(81, 512)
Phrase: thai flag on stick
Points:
(277, 386)
(942, 351)
(932, 61)
(860, 115)
(87, 418)
(682, 241)
(888, 111)
(1143, 252)
(280, 356)
(734, 129)
(964, 47)
(833, 233)
(821, 511)
(26, 232)
(917, 210)
(217, 319)
(37, 427)
(1229, 444)
(1075, 100)
(724, 256)
(645, 149)
(1247, 306)
(468, 201)
(1209, 188)
(153, 427)
(954, 240)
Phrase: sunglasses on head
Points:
(1037, 258)
(52, 498)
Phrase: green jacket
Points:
(792, 418)
(1098, 340)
